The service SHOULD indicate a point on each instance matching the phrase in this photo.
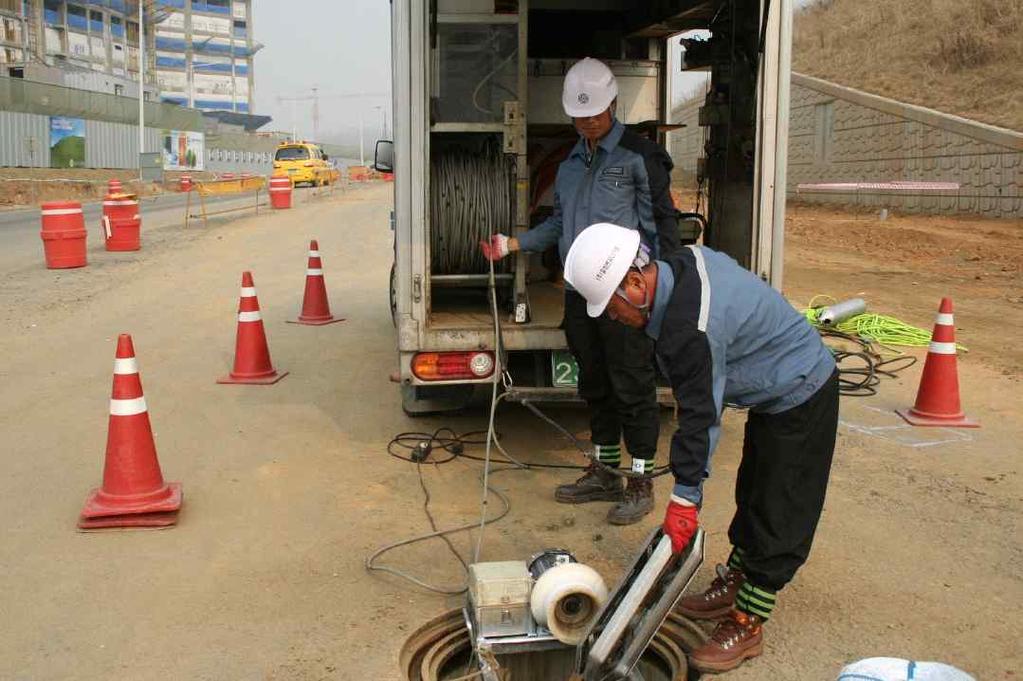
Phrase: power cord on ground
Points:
(860, 370)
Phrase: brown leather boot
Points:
(596, 484)
(736, 638)
(639, 500)
(716, 601)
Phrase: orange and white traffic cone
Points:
(315, 306)
(251, 353)
(937, 400)
(134, 493)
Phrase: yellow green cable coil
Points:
(879, 328)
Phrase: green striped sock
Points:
(610, 455)
(735, 558)
(642, 466)
(755, 600)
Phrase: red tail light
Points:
(450, 366)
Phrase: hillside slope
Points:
(959, 57)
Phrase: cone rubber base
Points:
(136, 521)
(921, 420)
(316, 322)
(96, 508)
(260, 380)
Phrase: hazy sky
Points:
(342, 47)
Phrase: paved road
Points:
(20, 246)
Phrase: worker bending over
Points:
(723, 336)
(612, 174)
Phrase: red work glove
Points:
(496, 249)
(680, 523)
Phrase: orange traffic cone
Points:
(251, 353)
(937, 400)
(315, 307)
(134, 493)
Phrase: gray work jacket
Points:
(626, 182)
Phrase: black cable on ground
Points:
(860, 371)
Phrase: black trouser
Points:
(780, 487)
(616, 378)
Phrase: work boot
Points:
(716, 601)
(737, 637)
(596, 484)
(639, 500)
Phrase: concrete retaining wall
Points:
(841, 135)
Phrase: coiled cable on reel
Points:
(470, 198)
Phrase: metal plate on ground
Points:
(637, 608)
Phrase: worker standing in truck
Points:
(723, 336)
(612, 174)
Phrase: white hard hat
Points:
(590, 87)
(598, 260)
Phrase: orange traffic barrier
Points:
(315, 306)
(220, 187)
(252, 363)
(937, 399)
(63, 234)
(358, 173)
(122, 224)
(280, 192)
(133, 493)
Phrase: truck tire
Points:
(393, 297)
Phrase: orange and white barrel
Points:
(63, 234)
(280, 192)
(122, 223)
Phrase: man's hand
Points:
(680, 523)
(497, 248)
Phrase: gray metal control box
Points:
(499, 597)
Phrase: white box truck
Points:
(479, 132)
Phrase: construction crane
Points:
(314, 96)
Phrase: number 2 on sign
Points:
(563, 373)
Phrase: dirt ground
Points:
(288, 488)
(29, 186)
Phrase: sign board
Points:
(183, 150)
(67, 142)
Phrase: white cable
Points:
(493, 410)
(479, 86)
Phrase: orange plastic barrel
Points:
(63, 234)
(121, 222)
(114, 187)
(185, 183)
(227, 176)
(280, 192)
(124, 234)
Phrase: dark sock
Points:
(735, 558)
